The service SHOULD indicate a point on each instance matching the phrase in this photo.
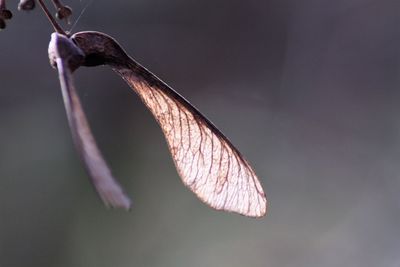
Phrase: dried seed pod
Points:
(5, 14)
(64, 12)
(26, 5)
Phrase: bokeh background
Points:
(307, 90)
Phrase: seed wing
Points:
(62, 51)
(205, 159)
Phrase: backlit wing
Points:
(205, 159)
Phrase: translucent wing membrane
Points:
(205, 159)
(107, 187)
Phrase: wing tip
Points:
(256, 208)
(257, 214)
(114, 197)
(120, 203)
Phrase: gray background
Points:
(307, 90)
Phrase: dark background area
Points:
(307, 90)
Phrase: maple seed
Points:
(26, 5)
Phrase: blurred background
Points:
(307, 90)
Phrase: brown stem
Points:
(53, 22)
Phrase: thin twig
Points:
(53, 22)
